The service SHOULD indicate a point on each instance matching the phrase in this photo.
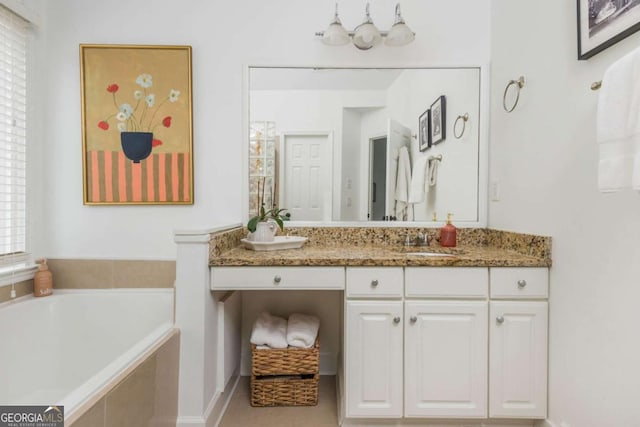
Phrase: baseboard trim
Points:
(228, 393)
(215, 409)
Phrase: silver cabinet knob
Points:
(374, 283)
(413, 319)
(277, 279)
(500, 320)
(522, 283)
(396, 319)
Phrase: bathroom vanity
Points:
(426, 332)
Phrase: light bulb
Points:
(366, 35)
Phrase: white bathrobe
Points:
(403, 180)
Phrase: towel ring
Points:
(464, 118)
(519, 85)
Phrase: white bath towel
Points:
(270, 331)
(419, 188)
(434, 164)
(618, 125)
(403, 179)
(302, 330)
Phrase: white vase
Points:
(265, 232)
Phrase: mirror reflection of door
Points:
(307, 176)
(377, 178)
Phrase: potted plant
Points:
(261, 224)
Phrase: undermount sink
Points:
(427, 251)
(430, 254)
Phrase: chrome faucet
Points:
(421, 239)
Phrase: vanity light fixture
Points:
(366, 35)
(335, 34)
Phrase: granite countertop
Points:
(340, 246)
(469, 256)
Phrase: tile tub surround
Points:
(147, 396)
(382, 246)
(22, 289)
(107, 274)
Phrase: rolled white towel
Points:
(302, 330)
(270, 331)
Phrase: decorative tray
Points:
(279, 243)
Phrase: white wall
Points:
(545, 157)
(225, 36)
(350, 182)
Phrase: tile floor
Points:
(240, 413)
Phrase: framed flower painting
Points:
(137, 133)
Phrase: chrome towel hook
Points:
(519, 84)
(464, 118)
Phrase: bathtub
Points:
(72, 347)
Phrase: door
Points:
(518, 359)
(307, 176)
(377, 179)
(446, 359)
(397, 136)
(373, 354)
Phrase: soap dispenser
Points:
(448, 238)
(42, 280)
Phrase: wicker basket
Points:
(285, 377)
(276, 390)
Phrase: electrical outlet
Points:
(494, 190)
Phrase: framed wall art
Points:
(602, 23)
(424, 142)
(438, 128)
(137, 132)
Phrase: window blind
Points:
(13, 133)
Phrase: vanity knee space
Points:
(446, 342)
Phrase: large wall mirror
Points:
(367, 144)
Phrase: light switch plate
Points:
(494, 191)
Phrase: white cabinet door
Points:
(446, 359)
(518, 359)
(373, 351)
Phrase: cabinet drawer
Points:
(302, 278)
(437, 282)
(519, 282)
(374, 282)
